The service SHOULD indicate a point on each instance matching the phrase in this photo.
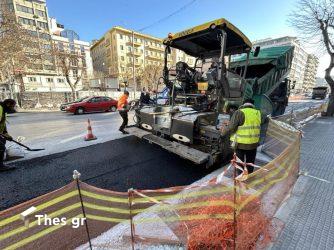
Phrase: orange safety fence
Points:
(220, 212)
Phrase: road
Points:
(301, 104)
(113, 161)
(58, 131)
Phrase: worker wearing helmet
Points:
(244, 131)
(6, 107)
(123, 110)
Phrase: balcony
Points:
(155, 48)
(155, 57)
(136, 64)
(137, 44)
(136, 53)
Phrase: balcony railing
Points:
(154, 47)
(155, 57)
(136, 53)
(135, 43)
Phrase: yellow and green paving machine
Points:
(226, 71)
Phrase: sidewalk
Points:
(309, 213)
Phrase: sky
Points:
(257, 19)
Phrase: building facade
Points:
(310, 73)
(120, 49)
(44, 75)
(299, 61)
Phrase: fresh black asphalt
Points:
(116, 165)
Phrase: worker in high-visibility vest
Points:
(244, 130)
(6, 107)
(123, 110)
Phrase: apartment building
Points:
(120, 49)
(299, 61)
(44, 75)
(310, 73)
(33, 16)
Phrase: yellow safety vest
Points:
(249, 132)
(3, 120)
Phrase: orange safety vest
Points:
(123, 101)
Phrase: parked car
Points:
(63, 106)
(319, 92)
(93, 104)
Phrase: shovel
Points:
(22, 145)
(26, 147)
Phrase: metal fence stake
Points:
(132, 228)
(76, 176)
(234, 203)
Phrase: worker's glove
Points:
(8, 137)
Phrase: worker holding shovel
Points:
(6, 107)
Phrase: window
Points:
(84, 64)
(44, 36)
(75, 72)
(48, 57)
(74, 62)
(135, 39)
(106, 99)
(120, 36)
(40, 13)
(60, 80)
(32, 79)
(60, 46)
(42, 25)
(122, 47)
(82, 49)
(72, 47)
(49, 80)
(122, 58)
(129, 49)
(26, 21)
(47, 46)
(49, 67)
(24, 9)
(96, 99)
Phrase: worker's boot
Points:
(4, 167)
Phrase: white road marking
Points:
(72, 138)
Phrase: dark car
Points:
(63, 106)
(319, 92)
(93, 104)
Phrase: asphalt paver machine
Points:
(226, 71)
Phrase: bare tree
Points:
(71, 64)
(314, 20)
(151, 75)
(127, 76)
(14, 39)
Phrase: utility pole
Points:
(133, 65)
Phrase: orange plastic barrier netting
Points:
(219, 213)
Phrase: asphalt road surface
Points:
(118, 165)
(113, 161)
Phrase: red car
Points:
(93, 104)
